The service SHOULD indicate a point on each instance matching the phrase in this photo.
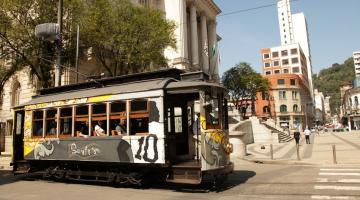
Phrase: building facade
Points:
(356, 57)
(196, 49)
(351, 108)
(290, 100)
(294, 29)
(320, 115)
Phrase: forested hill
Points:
(329, 80)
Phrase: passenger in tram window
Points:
(99, 131)
(84, 129)
(52, 128)
(121, 127)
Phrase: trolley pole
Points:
(59, 45)
(271, 152)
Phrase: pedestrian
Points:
(297, 137)
(307, 133)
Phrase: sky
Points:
(333, 26)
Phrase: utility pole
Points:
(59, 45)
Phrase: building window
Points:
(268, 73)
(283, 108)
(356, 101)
(144, 2)
(276, 63)
(292, 82)
(266, 109)
(295, 108)
(15, 96)
(294, 51)
(282, 94)
(285, 62)
(286, 71)
(277, 71)
(281, 81)
(265, 96)
(295, 60)
(295, 69)
(350, 101)
(267, 64)
(284, 53)
(266, 56)
(275, 54)
(294, 95)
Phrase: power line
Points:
(250, 9)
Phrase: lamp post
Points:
(52, 32)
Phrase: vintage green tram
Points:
(55, 133)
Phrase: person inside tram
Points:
(121, 127)
(99, 131)
(84, 129)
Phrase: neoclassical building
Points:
(196, 50)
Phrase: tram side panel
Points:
(144, 148)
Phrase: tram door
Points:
(18, 135)
(178, 129)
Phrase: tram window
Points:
(65, 121)
(212, 109)
(139, 105)
(38, 119)
(139, 117)
(51, 124)
(82, 121)
(178, 119)
(118, 118)
(98, 119)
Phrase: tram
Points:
(146, 126)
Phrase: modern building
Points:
(197, 49)
(294, 29)
(320, 115)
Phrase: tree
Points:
(330, 79)
(126, 38)
(18, 45)
(243, 83)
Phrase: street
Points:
(249, 181)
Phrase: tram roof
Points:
(139, 86)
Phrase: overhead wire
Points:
(250, 9)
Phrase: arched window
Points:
(356, 101)
(295, 108)
(283, 108)
(15, 93)
(266, 109)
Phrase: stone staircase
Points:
(283, 136)
(261, 133)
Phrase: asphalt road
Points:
(249, 181)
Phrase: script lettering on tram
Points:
(86, 151)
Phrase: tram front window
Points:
(212, 113)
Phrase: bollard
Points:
(271, 152)
(298, 152)
(334, 153)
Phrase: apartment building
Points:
(356, 57)
(289, 99)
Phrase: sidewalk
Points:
(319, 152)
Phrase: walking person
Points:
(307, 133)
(297, 137)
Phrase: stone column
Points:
(204, 45)
(212, 47)
(194, 38)
(183, 30)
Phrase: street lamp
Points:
(52, 32)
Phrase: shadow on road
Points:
(7, 177)
(236, 178)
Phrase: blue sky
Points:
(334, 30)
